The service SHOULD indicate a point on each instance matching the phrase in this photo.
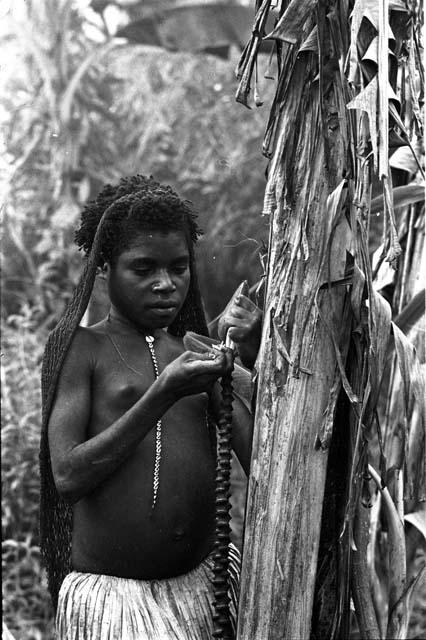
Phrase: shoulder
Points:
(86, 346)
(87, 338)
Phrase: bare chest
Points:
(124, 374)
(124, 371)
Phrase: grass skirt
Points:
(101, 607)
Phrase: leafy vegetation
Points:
(81, 114)
(344, 125)
(78, 113)
(26, 606)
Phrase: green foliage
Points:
(46, 129)
(78, 114)
(26, 606)
(82, 114)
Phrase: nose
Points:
(164, 283)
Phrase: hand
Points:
(193, 373)
(242, 321)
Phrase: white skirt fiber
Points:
(101, 607)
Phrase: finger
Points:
(214, 358)
(230, 322)
(239, 334)
(223, 326)
(193, 355)
(205, 362)
(222, 365)
(234, 321)
(213, 361)
(245, 303)
(243, 289)
(235, 311)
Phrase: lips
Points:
(164, 305)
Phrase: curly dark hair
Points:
(141, 204)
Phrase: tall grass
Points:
(26, 603)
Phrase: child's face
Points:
(149, 282)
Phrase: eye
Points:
(180, 268)
(142, 271)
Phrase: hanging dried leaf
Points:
(290, 26)
(412, 377)
(414, 91)
(372, 53)
(368, 9)
(383, 88)
(394, 250)
(362, 8)
(311, 42)
(247, 62)
(381, 314)
(395, 115)
(366, 101)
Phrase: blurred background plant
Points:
(26, 603)
(79, 113)
(79, 108)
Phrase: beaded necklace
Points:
(156, 476)
(222, 627)
(158, 440)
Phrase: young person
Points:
(127, 453)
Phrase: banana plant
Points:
(337, 477)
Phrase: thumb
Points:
(245, 291)
(242, 289)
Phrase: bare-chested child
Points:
(128, 430)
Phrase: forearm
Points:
(86, 465)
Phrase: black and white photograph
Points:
(213, 366)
